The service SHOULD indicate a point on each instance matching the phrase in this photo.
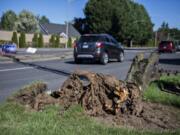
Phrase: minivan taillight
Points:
(171, 45)
(99, 45)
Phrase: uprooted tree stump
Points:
(99, 93)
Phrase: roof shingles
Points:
(51, 28)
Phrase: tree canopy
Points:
(166, 33)
(43, 19)
(8, 20)
(124, 19)
(26, 22)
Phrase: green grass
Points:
(154, 94)
(171, 79)
(15, 120)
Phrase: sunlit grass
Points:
(15, 120)
(154, 94)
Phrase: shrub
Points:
(40, 41)
(52, 41)
(69, 43)
(57, 41)
(14, 38)
(35, 40)
(22, 40)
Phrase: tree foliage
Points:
(124, 19)
(8, 20)
(26, 22)
(44, 19)
(22, 40)
(166, 33)
(14, 38)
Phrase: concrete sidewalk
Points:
(8, 58)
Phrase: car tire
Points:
(121, 57)
(104, 58)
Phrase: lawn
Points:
(15, 120)
(154, 94)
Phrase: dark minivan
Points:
(98, 47)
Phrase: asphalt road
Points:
(13, 76)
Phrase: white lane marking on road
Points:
(14, 69)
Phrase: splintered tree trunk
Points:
(143, 71)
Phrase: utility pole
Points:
(67, 23)
(155, 39)
(168, 38)
(67, 33)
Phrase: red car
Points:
(166, 46)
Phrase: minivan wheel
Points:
(104, 58)
(121, 57)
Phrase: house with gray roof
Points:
(59, 29)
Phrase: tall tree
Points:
(166, 33)
(8, 20)
(44, 19)
(98, 15)
(124, 19)
(81, 25)
(27, 22)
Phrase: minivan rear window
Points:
(165, 42)
(91, 39)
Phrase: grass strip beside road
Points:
(154, 94)
(15, 120)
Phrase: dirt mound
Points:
(154, 117)
(33, 96)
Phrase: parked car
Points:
(1, 48)
(98, 47)
(166, 46)
(9, 48)
(178, 47)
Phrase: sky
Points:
(60, 11)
